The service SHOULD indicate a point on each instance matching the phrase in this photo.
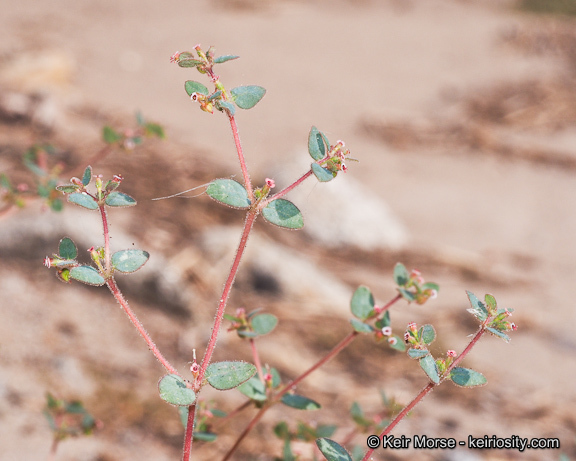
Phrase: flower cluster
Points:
(412, 285)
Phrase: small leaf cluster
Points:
(412, 286)
(130, 138)
(491, 317)
(243, 97)
(253, 324)
(280, 212)
(372, 319)
(438, 369)
(329, 159)
(37, 160)
(68, 418)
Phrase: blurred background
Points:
(462, 115)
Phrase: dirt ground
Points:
(462, 115)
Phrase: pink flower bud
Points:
(386, 331)
(270, 183)
(451, 353)
(195, 368)
(175, 57)
(412, 327)
(48, 262)
(392, 341)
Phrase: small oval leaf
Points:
(283, 213)
(316, 147)
(427, 334)
(401, 275)
(67, 249)
(119, 199)
(84, 200)
(87, 177)
(173, 390)
(300, 402)
(247, 97)
(467, 378)
(332, 451)
(68, 188)
(228, 375)
(129, 260)
(225, 105)
(321, 173)
(87, 275)
(428, 364)
(192, 87)
(362, 303)
(264, 323)
(229, 192)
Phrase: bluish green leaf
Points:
(316, 147)
(321, 173)
(87, 176)
(247, 97)
(467, 378)
(300, 402)
(384, 321)
(56, 204)
(221, 59)
(500, 334)
(407, 295)
(87, 275)
(229, 192)
(276, 380)
(84, 200)
(283, 213)
(358, 415)
(67, 249)
(428, 364)
(188, 62)
(264, 323)
(228, 375)
(129, 260)
(192, 87)
(361, 327)
(325, 430)
(119, 199)
(417, 353)
(478, 308)
(397, 345)
(253, 389)
(331, 450)
(173, 390)
(427, 334)
(362, 303)
(401, 275)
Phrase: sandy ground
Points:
(463, 117)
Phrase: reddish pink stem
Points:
(107, 264)
(287, 189)
(189, 435)
(424, 392)
(250, 218)
(247, 182)
(256, 357)
(111, 283)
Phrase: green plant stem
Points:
(111, 283)
(250, 218)
(424, 392)
(189, 435)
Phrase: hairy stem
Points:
(189, 435)
(256, 358)
(111, 283)
(250, 218)
(247, 182)
(107, 264)
(424, 392)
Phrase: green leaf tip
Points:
(428, 364)
(264, 323)
(283, 213)
(362, 303)
(173, 389)
(67, 249)
(465, 377)
(87, 176)
(316, 146)
(84, 200)
(87, 275)
(300, 402)
(119, 199)
(192, 87)
(321, 173)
